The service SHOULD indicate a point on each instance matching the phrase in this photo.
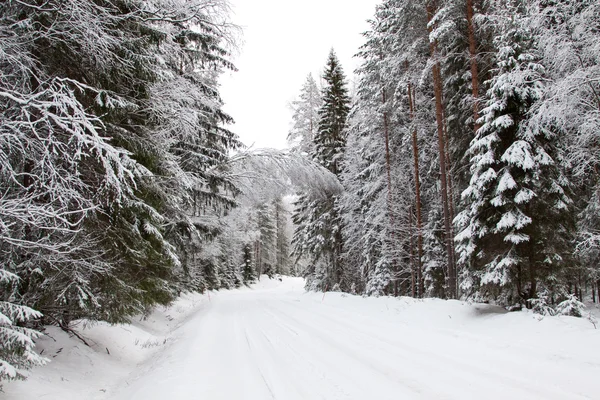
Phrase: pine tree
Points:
(364, 203)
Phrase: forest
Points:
(461, 164)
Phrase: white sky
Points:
(284, 41)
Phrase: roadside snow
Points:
(275, 341)
(79, 372)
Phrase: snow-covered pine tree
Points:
(368, 205)
(364, 204)
(514, 232)
(432, 7)
(305, 118)
(318, 224)
(394, 96)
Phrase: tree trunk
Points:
(337, 249)
(413, 285)
(257, 258)
(419, 267)
(474, 66)
(388, 168)
(439, 112)
(532, 274)
(450, 183)
(278, 243)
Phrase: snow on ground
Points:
(275, 341)
(79, 372)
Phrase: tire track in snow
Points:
(450, 369)
(269, 344)
(291, 369)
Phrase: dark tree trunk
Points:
(474, 66)
(419, 267)
(413, 285)
(386, 132)
(439, 112)
(450, 182)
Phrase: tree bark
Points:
(387, 162)
(450, 183)
(439, 112)
(386, 132)
(257, 257)
(474, 66)
(419, 267)
(413, 280)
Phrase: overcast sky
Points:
(284, 41)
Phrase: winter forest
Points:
(461, 162)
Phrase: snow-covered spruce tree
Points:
(54, 161)
(569, 45)
(330, 140)
(94, 171)
(306, 117)
(317, 220)
(17, 349)
(185, 109)
(173, 129)
(514, 234)
(434, 255)
(248, 268)
(313, 224)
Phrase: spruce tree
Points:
(515, 230)
(318, 223)
(248, 269)
(568, 37)
(114, 121)
(330, 140)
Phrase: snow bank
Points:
(79, 372)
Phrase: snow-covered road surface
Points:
(278, 342)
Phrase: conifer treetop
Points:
(330, 140)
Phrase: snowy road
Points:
(278, 342)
